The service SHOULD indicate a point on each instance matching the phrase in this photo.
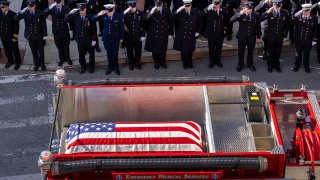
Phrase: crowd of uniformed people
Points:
(122, 25)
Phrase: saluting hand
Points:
(270, 10)
(73, 11)
(24, 10)
(102, 13)
(258, 40)
(52, 5)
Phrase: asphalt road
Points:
(26, 111)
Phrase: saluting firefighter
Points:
(159, 29)
(216, 20)
(9, 30)
(60, 30)
(305, 32)
(112, 35)
(92, 8)
(248, 34)
(134, 34)
(85, 35)
(232, 6)
(261, 8)
(278, 25)
(35, 32)
(187, 19)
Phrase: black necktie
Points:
(59, 10)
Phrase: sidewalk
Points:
(51, 52)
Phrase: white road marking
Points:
(25, 78)
(23, 122)
(21, 99)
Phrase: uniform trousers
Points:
(215, 47)
(112, 49)
(37, 48)
(303, 51)
(274, 51)
(12, 51)
(62, 41)
(83, 48)
(250, 44)
(134, 48)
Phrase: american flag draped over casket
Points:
(134, 137)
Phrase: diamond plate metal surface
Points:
(230, 130)
(315, 105)
(286, 117)
(225, 94)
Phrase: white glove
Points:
(297, 13)
(196, 35)
(314, 43)
(73, 11)
(93, 43)
(52, 5)
(102, 13)
(210, 7)
(45, 37)
(142, 39)
(180, 9)
(318, 3)
(127, 10)
(170, 37)
(153, 9)
(24, 10)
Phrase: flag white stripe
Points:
(134, 148)
(162, 125)
(152, 134)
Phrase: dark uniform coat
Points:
(135, 28)
(305, 30)
(159, 27)
(215, 24)
(8, 27)
(58, 19)
(187, 26)
(34, 26)
(249, 28)
(277, 26)
(85, 31)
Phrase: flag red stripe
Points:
(150, 129)
(190, 123)
(132, 141)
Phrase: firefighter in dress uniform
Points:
(261, 8)
(9, 30)
(60, 30)
(187, 19)
(134, 34)
(112, 35)
(231, 6)
(248, 34)
(35, 32)
(316, 12)
(92, 8)
(159, 30)
(85, 35)
(216, 20)
(278, 24)
(304, 33)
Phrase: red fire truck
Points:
(182, 128)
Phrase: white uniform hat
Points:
(306, 6)
(187, 1)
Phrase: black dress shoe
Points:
(138, 66)
(270, 69)
(35, 68)
(164, 66)
(229, 37)
(156, 66)
(265, 57)
(91, 70)
(131, 68)
(70, 62)
(8, 65)
(17, 66)
(82, 70)
(278, 69)
(252, 68)
(117, 71)
(307, 70)
(295, 69)
(211, 65)
(60, 63)
(97, 48)
(239, 68)
(108, 71)
(43, 68)
(219, 65)
(185, 66)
